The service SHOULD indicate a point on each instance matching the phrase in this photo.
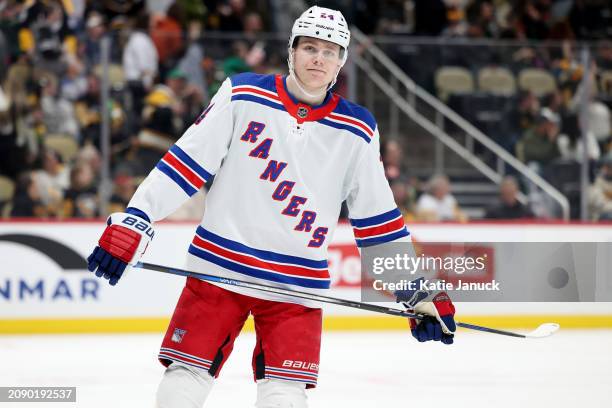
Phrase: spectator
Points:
(534, 18)
(253, 25)
(52, 180)
(167, 35)
(457, 25)
(95, 28)
(599, 120)
(89, 115)
(26, 199)
(140, 61)
(191, 66)
(256, 55)
(404, 197)
(87, 109)
(554, 102)
(187, 96)
(90, 155)
(438, 204)
(600, 193)
(58, 112)
(509, 207)
(162, 122)
(571, 146)
(539, 146)
(528, 110)
(236, 63)
(392, 156)
(9, 28)
(124, 187)
(26, 117)
(521, 118)
(12, 156)
(481, 18)
(74, 84)
(81, 199)
(46, 35)
(228, 16)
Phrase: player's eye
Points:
(329, 54)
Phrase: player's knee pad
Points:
(183, 386)
(280, 394)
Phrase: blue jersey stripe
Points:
(258, 273)
(163, 356)
(355, 111)
(190, 162)
(263, 81)
(174, 175)
(361, 243)
(348, 127)
(375, 220)
(262, 101)
(180, 353)
(258, 253)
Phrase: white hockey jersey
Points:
(281, 172)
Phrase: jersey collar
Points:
(303, 112)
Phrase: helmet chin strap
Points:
(297, 80)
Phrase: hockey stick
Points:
(544, 330)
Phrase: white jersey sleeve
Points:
(191, 162)
(372, 210)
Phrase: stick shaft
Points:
(310, 296)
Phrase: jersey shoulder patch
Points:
(353, 118)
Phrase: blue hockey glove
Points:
(439, 323)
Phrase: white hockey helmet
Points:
(324, 24)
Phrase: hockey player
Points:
(285, 153)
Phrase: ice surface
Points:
(358, 370)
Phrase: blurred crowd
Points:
(161, 75)
(433, 200)
(51, 112)
(497, 19)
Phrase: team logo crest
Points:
(302, 112)
(178, 334)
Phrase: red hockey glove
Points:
(123, 242)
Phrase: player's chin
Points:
(318, 77)
(317, 83)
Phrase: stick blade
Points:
(544, 330)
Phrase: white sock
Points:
(183, 386)
(280, 394)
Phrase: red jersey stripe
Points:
(353, 122)
(185, 171)
(258, 263)
(392, 225)
(256, 91)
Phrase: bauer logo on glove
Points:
(123, 243)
